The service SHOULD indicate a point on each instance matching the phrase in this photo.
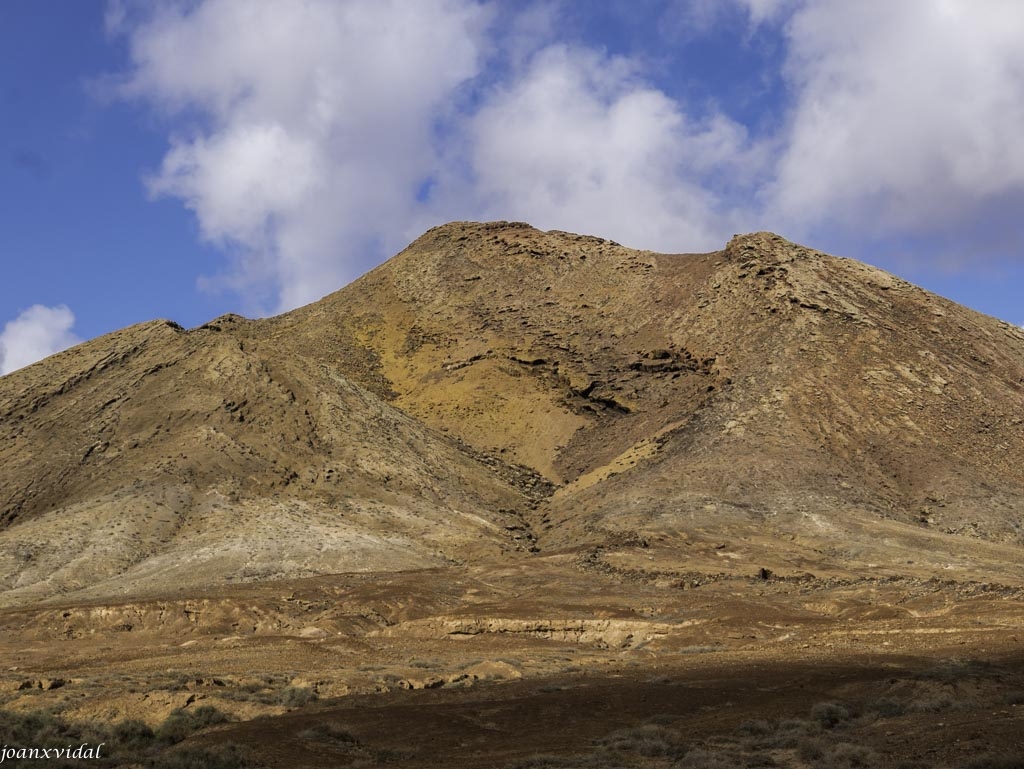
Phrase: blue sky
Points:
(186, 159)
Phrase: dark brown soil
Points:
(924, 711)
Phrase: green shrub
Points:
(756, 727)
(932, 704)
(847, 756)
(789, 733)
(390, 755)
(887, 708)
(699, 758)
(991, 761)
(811, 749)
(648, 740)
(30, 728)
(545, 761)
(956, 671)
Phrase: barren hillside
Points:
(823, 411)
(758, 507)
(157, 458)
(496, 390)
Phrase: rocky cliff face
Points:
(497, 392)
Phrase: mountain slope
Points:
(824, 413)
(579, 357)
(495, 389)
(156, 457)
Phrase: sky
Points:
(180, 160)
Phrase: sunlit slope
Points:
(157, 458)
(495, 391)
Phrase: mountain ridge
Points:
(495, 391)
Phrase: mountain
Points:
(756, 507)
(496, 393)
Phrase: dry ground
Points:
(544, 664)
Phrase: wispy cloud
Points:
(36, 333)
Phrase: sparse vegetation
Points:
(328, 733)
(647, 740)
(132, 735)
(700, 649)
(270, 690)
(756, 727)
(934, 704)
(125, 743)
(830, 737)
(830, 714)
(296, 696)
(226, 756)
(181, 723)
(886, 707)
(721, 461)
(992, 761)
(1015, 697)
(700, 758)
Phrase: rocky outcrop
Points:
(601, 633)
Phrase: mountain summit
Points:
(494, 393)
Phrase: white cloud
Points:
(316, 148)
(239, 178)
(321, 135)
(580, 142)
(318, 123)
(36, 333)
(907, 115)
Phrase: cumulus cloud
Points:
(313, 138)
(906, 115)
(316, 123)
(580, 142)
(326, 134)
(36, 333)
